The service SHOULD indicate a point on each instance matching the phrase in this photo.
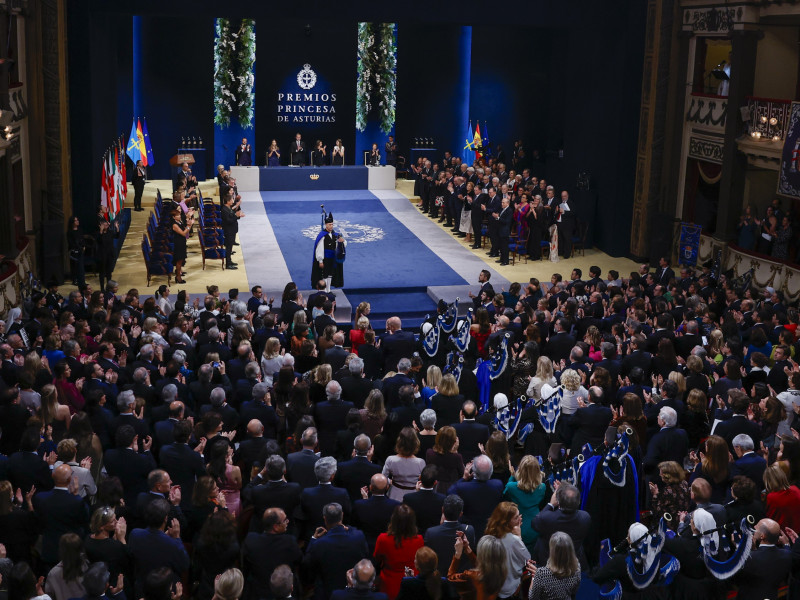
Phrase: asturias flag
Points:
(133, 145)
(466, 152)
(149, 149)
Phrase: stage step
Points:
(412, 305)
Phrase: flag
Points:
(133, 145)
(147, 146)
(123, 168)
(466, 152)
(118, 192)
(476, 141)
(104, 188)
(113, 190)
(140, 142)
(487, 152)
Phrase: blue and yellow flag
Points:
(467, 152)
(133, 145)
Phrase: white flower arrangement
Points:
(233, 73)
(377, 64)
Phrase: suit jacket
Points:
(249, 451)
(685, 343)
(262, 412)
(589, 426)
(132, 469)
(670, 443)
(764, 572)
(480, 499)
(230, 222)
(152, 549)
(354, 474)
(637, 358)
(271, 494)
(300, 468)
(427, 505)
(164, 432)
(400, 344)
(354, 594)
(559, 346)
(663, 276)
(25, 469)
(373, 360)
(332, 555)
(262, 553)
(184, 466)
(734, 426)
(298, 152)
(613, 366)
(330, 417)
(441, 539)
(335, 357)
(753, 466)
(390, 388)
(372, 516)
(59, 512)
(356, 390)
(504, 222)
(314, 499)
(550, 520)
(470, 434)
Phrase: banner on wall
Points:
(789, 176)
(689, 243)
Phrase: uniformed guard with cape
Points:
(329, 255)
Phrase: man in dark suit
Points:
(361, 582)
(739, 402)
(270, 489)
(503, 218)
(300, 464)
(165, 430)
(355, 386)
(130, 466)
(748, 463)
(153, 548)
(59, 512)
(230, 227)
(251, 448)
(147, 360)
(260, 408)
(391, 385)
(638, 357)
(426, 502)
(213, 345)
(208, 379)
(314, 499)
(326, 318)
(126, 403)
(263, 552)
(139, 179)
(562, 513)
(480, 494)
(610, 361)
(768, 567)
(160, 486)
(291, 306)
(589, 422)
(183, 464)
(330, 417)
(685, 343)
(441, 538)
(560, 343)
(372, 514)
(670, 443)
(396, 344)
(470, 433)
(298, 151)
(218, 403)
(357, 472)
(664, 274)
(26, 468)
(336, 356)
(333, 550)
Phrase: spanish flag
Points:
(477, 142)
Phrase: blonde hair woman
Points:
(447, 400)
(357, 334)
(322, 377)
(561, 576)
(229, 585)
(526, 489)
(271, 360)
(544, 375)
(433, 378)
(573, 390)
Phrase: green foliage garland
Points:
(234, 57)
(377, 78)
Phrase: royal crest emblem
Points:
(354, 233)
(306, 78)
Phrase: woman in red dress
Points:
(480, 330)
(395, 549)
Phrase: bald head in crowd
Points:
(62, 475)
(255, 428)
(378, 485)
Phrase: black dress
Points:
(338, 158)
(319, 158)
(178, 243)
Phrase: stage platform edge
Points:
(272, 179)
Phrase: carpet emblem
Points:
(354, 233)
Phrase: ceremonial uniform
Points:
(331, 253)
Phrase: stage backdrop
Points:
(306, 83)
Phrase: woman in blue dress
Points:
(748, 229)
(273, 155)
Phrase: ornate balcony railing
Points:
(769, 118)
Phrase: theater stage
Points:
(314, 179)
(398, 260)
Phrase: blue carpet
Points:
(410, 304)
(382, 254)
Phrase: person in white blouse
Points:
(337, 157)
(571, 382)
(544, 376)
